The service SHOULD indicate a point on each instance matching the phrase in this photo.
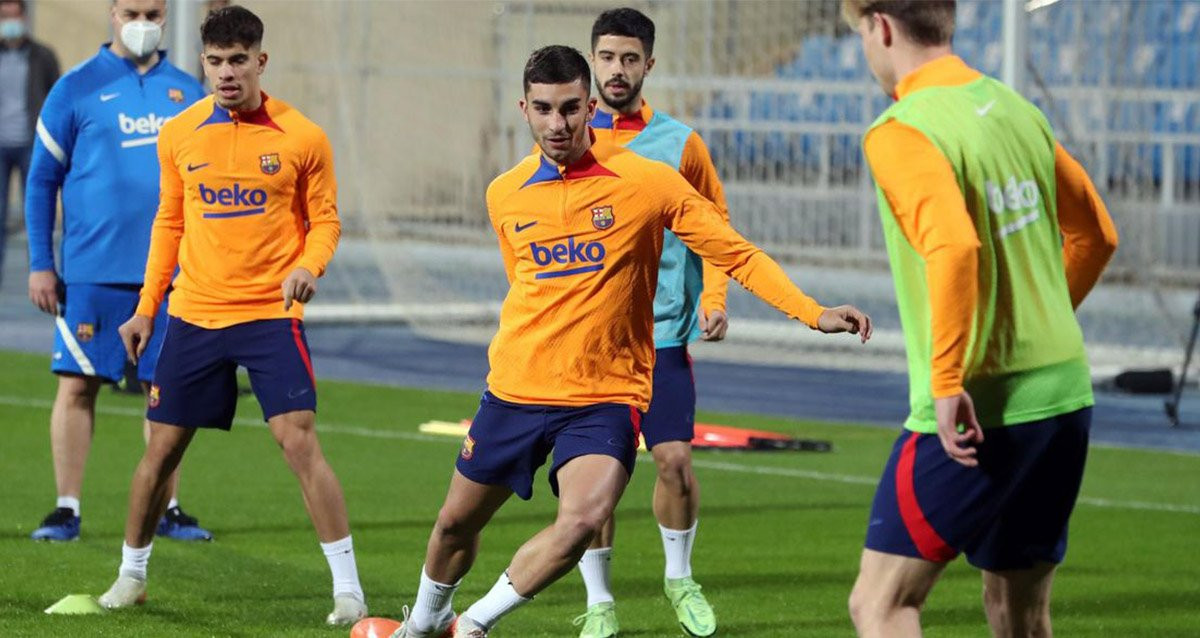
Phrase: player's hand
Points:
(299, 286)
(713, 325)
(135, 335)
(952, 411)
(845, 319)
(43, 290)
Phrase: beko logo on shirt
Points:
(1014, 196)
(150, 124)
(249, 201)
(568, 252)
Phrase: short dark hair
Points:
(557, 64)
(232, 25)
(925, 22)
(19, 3)
(625, 22)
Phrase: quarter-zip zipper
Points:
(562, 202)
(232, 166)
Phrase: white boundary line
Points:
(722, 466)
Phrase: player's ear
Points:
(887, 34)
(262, 61)
(649, 65)
(522, 104)
(591, 109)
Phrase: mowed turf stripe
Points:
(352, 430)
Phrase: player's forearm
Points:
(160, 267)
(1089, 235)
(716, 288)
(951, 273)
(319, 245)
(41, 197)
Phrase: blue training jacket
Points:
(96, 140)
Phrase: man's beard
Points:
(634, 92)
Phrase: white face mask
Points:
(12, 29)
(141, 37)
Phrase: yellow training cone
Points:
(76, 604)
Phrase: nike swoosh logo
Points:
(292, 394)
(520, 228)
(196, 167)
(983, 110)
(104, 97)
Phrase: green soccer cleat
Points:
(600, 621)
(693, 611)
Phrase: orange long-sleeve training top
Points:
(245, 199)
(581, 247)
(923, 191)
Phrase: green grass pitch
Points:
(777, 552)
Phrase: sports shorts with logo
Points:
(508, 442)
(86, 341)
(672, 413)
(196, 386)
(1009, 512)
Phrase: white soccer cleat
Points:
(405, 632)
(127, 591)
(466, 628)
(346, 610)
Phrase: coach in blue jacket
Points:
(95, 141)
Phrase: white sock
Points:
(134, 561)
(340, 555)
(434, 606)
(498, 602)
(69, 501)
(173, 503)
(677, 547)
(594, 567)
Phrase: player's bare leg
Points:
(889, 593)
(72, 422)
(453, 546)
(1018, 601)
(589, 488)
(148, 496)
(676, 490)
(296, 434)
(173, 481)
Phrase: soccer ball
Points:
(374, 628)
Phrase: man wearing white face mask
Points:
(27, 71)
(95, 142)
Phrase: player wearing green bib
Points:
(995, 234)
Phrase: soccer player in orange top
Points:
(995, 235)
(689, 304)
(248, 212)
(572, 363)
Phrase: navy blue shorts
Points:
(195, 385)
(508, 442)
(86, 340)
(672, 414)
(1009, 512)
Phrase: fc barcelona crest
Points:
(84, 332)
(175, 95)
(468, 448)
(602, 217)
(153, 398)
(269, 163)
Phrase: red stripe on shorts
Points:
(927, 540)
(635, 418)
(303, 351)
